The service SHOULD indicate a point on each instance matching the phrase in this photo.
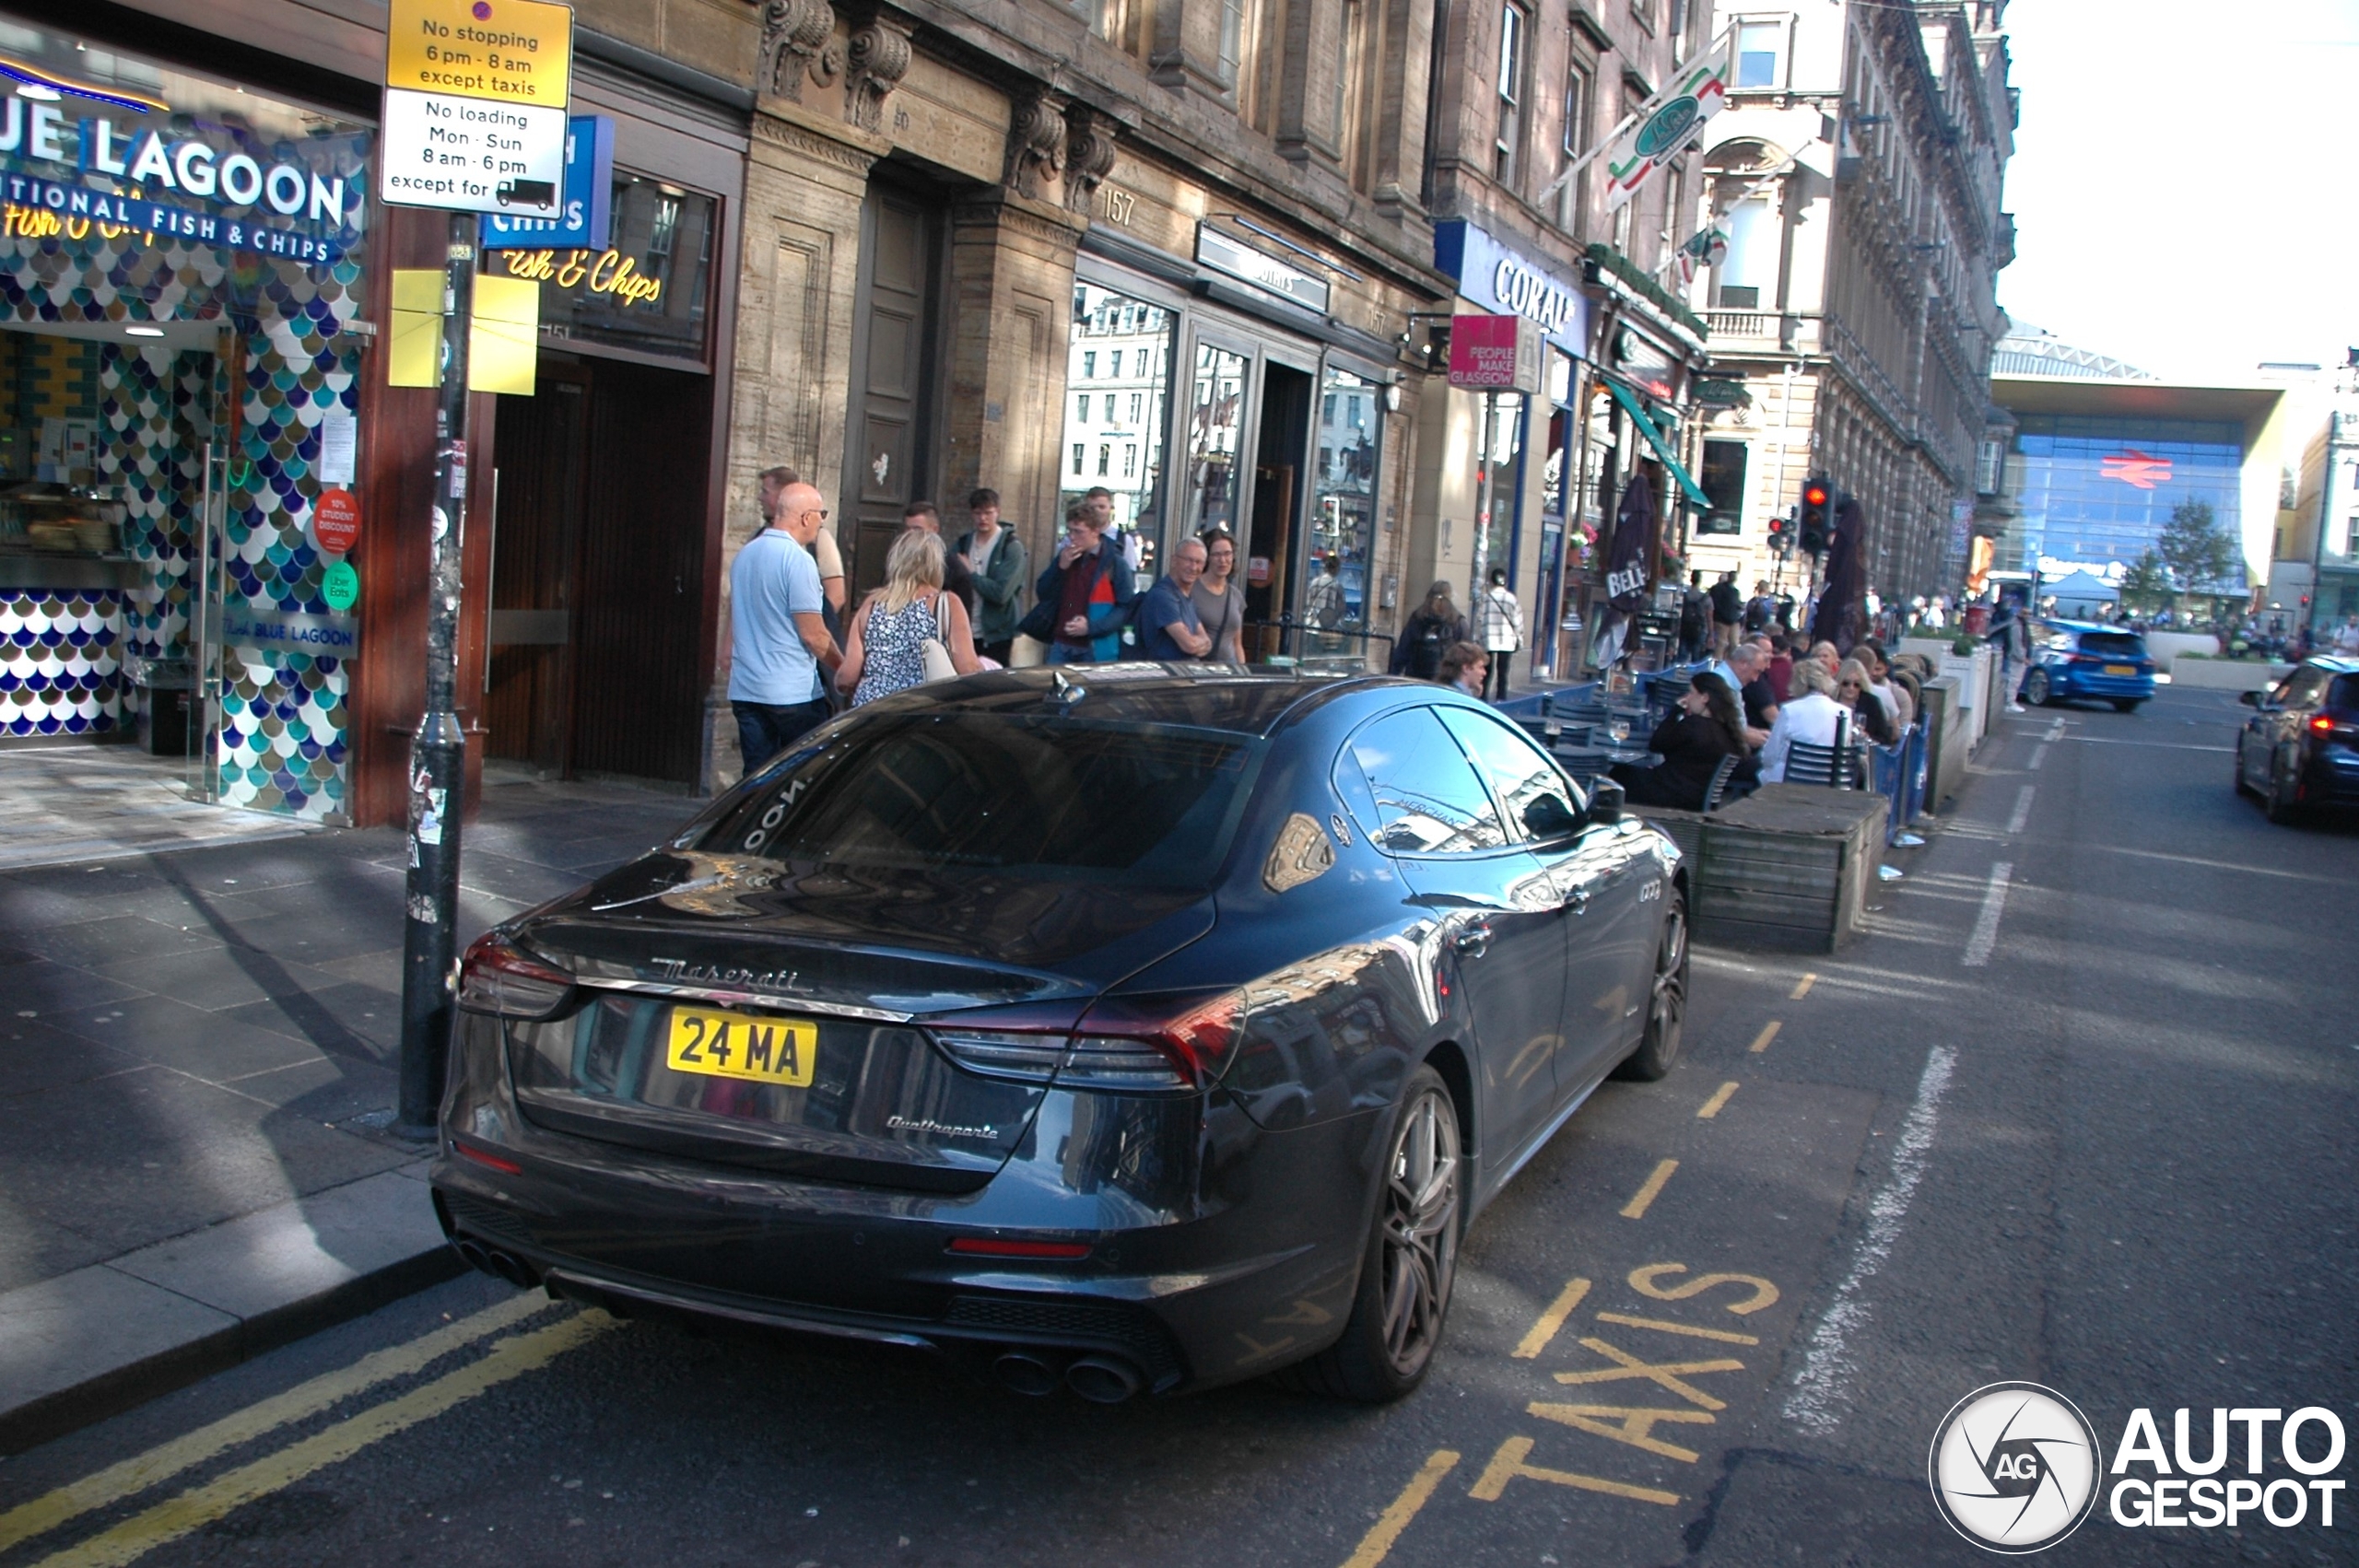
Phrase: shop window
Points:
(648, 291)
(1343, 506)
(1148, 327)
(1216, 421)
(1723, 483)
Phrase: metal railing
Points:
(1328, 649)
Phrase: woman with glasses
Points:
(1219, 597)
(1855, 690)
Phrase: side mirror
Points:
(2250, 700)
(1549, 817)
(1605, 801)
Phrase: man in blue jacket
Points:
(1088, 591)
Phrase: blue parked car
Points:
(2078, 660)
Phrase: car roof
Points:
(2095, 627)
(1245, 699)
(2340, 663)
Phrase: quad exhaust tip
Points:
(1098, 1379)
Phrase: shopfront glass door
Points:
(1217, 406)
(1334, 600)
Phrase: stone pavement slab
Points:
(195, 1047)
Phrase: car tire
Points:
(1410, 1262)
(1667, 1000)
(2127, 704)
(2038, 691)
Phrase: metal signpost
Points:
(474, 122)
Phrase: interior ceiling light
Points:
(142, 332)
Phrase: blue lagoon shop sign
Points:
(80, 158)
(1508, 283)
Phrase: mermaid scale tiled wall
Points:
(60, 666)
(285, 726)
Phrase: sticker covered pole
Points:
(438, 752)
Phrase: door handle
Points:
(1474, 941)
(1577, 901)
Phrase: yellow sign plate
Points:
(732, 1045)
(508, 51)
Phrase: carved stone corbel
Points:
(1089, 154)
(877, 60)
(794, 43)
(1036, 144)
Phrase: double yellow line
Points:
(194, 1509)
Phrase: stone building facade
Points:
(1857, 174)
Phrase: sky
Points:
(2178, 181)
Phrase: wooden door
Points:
(528, 702)
(888, 449)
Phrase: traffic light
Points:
(1781, 534)
(1818, 496)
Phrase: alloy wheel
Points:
(1670, 1008)
(1421, 1201)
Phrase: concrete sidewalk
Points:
(197, 1053)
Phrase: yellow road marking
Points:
(1768, 1032)
(1664, 1326)
(1393, 1520)
(1801, 988)
(1644, 1198)
(1711, 1108)
(193, 1509)
(136, 1474)
(1647, 1281)
(1509, 1463)
(1663, 1374)
(1544, 1328)
(1635, 1427)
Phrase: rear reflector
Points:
(488, 1161)
(991, 1247)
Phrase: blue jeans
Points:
(1066, 653)
(764, 730)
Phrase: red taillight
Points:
(488, 1161)
(1157, 1042)
(2322, 725)
(991, 1247)
(500, 978)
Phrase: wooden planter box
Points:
(1787, 868)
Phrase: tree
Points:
(2146, 587)
(2197, 549)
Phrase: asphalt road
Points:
(2078, 1112)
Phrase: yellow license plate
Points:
(2121, 669)
(733, 1044)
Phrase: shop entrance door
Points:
(597, 575)
(888, 446)
(1272, 542)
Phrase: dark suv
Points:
(2300, 751)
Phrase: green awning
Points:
(1662, 448)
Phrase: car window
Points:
(1035, 796)
(2114, 645)
(2346, 692)
(1426, 797)
(2300, 688)
(1519, 772)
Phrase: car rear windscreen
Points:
(2344, 693)
(1041, 796)
(2114, 645)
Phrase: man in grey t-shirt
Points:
(778, 637)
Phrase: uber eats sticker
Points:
(2016, 1467)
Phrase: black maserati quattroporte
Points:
(1122, 1027)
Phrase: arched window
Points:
(1745, 208)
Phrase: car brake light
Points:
(2324, 724)
(1157, 1042)
(500, 978)
(993, 1246)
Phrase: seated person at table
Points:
(1855, 689)
(1707, 726)
(1810, 714)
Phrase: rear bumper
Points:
(2076, 682)
(2331, 778)
(1245, 1281)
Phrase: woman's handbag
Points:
(935, 650)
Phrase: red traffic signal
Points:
(1812, 524)
(1815, 495)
